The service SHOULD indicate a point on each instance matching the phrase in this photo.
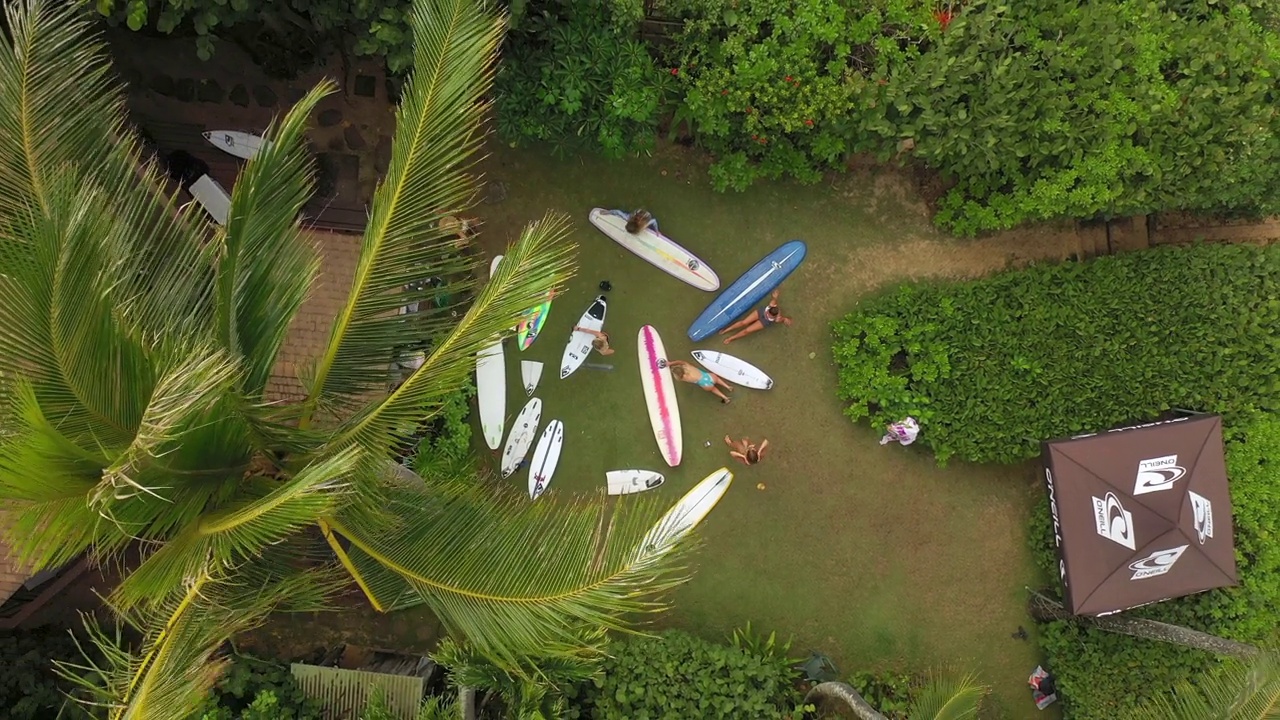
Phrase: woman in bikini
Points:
(637, 221)
(745, 450)
(708, 381)
(762, 318)
(601, 342)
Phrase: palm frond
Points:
(429, 177)
(267, 265)
(1237, 690)
(515, 579)
(535, 263)
(947, 697)
(178, 659)
(233, 535)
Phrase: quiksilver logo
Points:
(1157, 563)
(1113, 521)
(1202, 515)
(1156, 474)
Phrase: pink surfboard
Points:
(660, 395)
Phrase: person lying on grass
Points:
(767, 316)
(746, 451)
(708, 381)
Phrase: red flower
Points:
(787, 79)
(724, 92)
(809, 123)
(755, 137)
(749, 111)
(943, 17)
(763, 141)
(883, 81)
(675, 71)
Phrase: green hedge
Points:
(1104, 675)
(676, 675)
(989, 367)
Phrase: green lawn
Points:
(871, 554)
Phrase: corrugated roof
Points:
(345, 693)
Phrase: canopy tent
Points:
(1141, 514)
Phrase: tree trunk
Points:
(467, 702)
(1044, 608)
(846, 694)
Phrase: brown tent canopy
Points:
(1141, 514)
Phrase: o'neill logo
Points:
(1057, 527)
(1113, 521)
(1202, 515)
(1157, 563)
(1155, 474)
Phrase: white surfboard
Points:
(575, 353)
(686, 514)
(735, 370)
(658, 250)
(523, 430)
(660, 395)
(530, 374)
(241, 144)
(545, 458)
(625, 482)
(491, 385)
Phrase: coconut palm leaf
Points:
(236, 533)
(178, 659)
(267, 266)
(1238, 690)
(516, 579)
(947, 697)
(429, 177)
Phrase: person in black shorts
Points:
(764, 317)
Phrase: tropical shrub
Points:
(30, 687)
(990, 367)
(1065, 109)
(574, 72)
(678, 675)
(892, 693)
(258, 689)
(1105, 675)
(777, 88)
(444, 447)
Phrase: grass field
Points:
(871, 554)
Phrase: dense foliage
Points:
(258, 689)
(991, 367)
(30, 689)
(574, 73)
(1105, 675)
(678, 675)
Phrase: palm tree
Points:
(136, 343)
(941, 699)
(1237, 690)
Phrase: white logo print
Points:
(1202, 510)
(1157, 563)
(1155, 474)
(1113, 521)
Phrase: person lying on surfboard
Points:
(764, 317)
(601, 343)
(704, 379)
(638, 220)
(745, 450)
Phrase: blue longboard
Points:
(754, 286)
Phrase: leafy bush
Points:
(1065, 109)
(990, 367)
(1105, 675)
(30, 689)
(777, 88)
(676, 675)
(444, 448)
(257, 689)
(574, 72)
(891, 693)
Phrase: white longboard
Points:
(625, 482)
(491, 385)
(241, 144)
(735, 370)
(543, 466)
(658, 250)
(686, 514)
(660, 395)
(530, 374)
(575, 353)
(523, 430)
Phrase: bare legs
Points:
(753, 324)
(714, 390)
